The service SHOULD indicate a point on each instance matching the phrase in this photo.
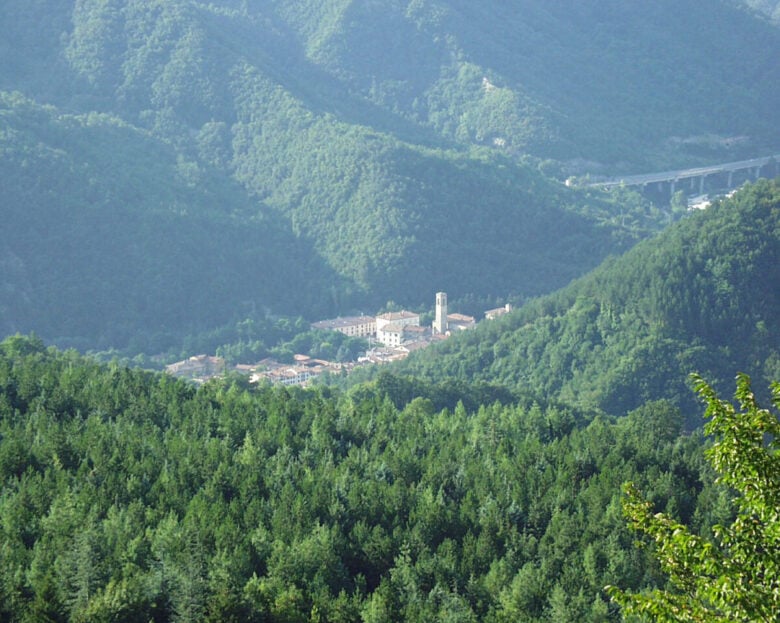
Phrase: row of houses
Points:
(395, 329)
(392, 336)
(391, 329)
(304, 369)
(198, 368)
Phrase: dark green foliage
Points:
(735, 576)
(132, 496)
(701, 296)
(173, 166)
(103, 251)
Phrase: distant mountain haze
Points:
(770, 8)
(207, 161)
(702, 296)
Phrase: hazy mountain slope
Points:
(565, 79)
(390, 220)
(568, 79)
(770, 8)
(356, 123)
(702, 296)
(98, 245)
(208, 98)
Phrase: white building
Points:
(401, 318)
(440, 315)
(492, 314)
(353, 326)
(391, 334)
(445, 323)
(459, 322)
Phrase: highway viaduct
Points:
(675, 180)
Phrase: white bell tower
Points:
(440, 319)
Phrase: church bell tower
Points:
(440, 319)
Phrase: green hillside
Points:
(328, 157)
(113, 236)
(702, 296)
(101, 249)
(132, 496)
(566, 79)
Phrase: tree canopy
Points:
(129, 495)
(733, 576)
(634, 328)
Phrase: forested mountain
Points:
(702, 296)
(114, 238)
(314, 158)
(568, 79)
(99, 245)
(132, 496)
(169, 168)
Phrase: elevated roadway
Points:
(754, 166)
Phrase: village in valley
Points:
(391, 336)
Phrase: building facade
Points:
(391, 334)
(459, 322)
(492, 314)
(401, 318)
(353, 326)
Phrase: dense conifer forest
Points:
(182, 176)
(701, 296)
(131, 496)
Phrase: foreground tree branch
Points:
(736, 577)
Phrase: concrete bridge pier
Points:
(731, 178)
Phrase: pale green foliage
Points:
(736, 576)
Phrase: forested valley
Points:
(181, 177)
(193, 165)
(420, 494)
(131, 496)
(701, 296)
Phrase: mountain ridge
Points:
(633, 329)
(379, 141)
